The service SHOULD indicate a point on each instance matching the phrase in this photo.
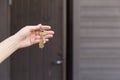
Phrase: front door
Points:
(33, 63)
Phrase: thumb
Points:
(36, 27)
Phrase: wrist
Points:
(16, 40)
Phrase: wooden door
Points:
(96, 40)
(4, 33)
(33, 63)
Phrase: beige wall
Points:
(96, 40)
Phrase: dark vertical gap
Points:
(69, 40)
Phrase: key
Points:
(41, 43)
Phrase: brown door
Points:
(33, 63)
(4, 32)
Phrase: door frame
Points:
(64, 38)
(69, 40)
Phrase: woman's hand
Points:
(29, 35)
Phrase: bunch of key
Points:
(42, 34)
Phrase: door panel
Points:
(33, 63)
(96, 40)
(4, 33)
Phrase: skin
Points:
(27, 36)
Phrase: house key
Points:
(42, 34)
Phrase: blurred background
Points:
(86, 45)
(96, 39)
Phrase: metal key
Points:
(41, 43)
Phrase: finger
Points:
(37, 27)
(48, 36)
(45, 27)
(46, 33)
(37, 37)
(49, 32)
(46, 40)
(36, 41)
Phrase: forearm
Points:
(25, 37)
(7, 47)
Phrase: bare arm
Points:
(7, 47)
(27, 36)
